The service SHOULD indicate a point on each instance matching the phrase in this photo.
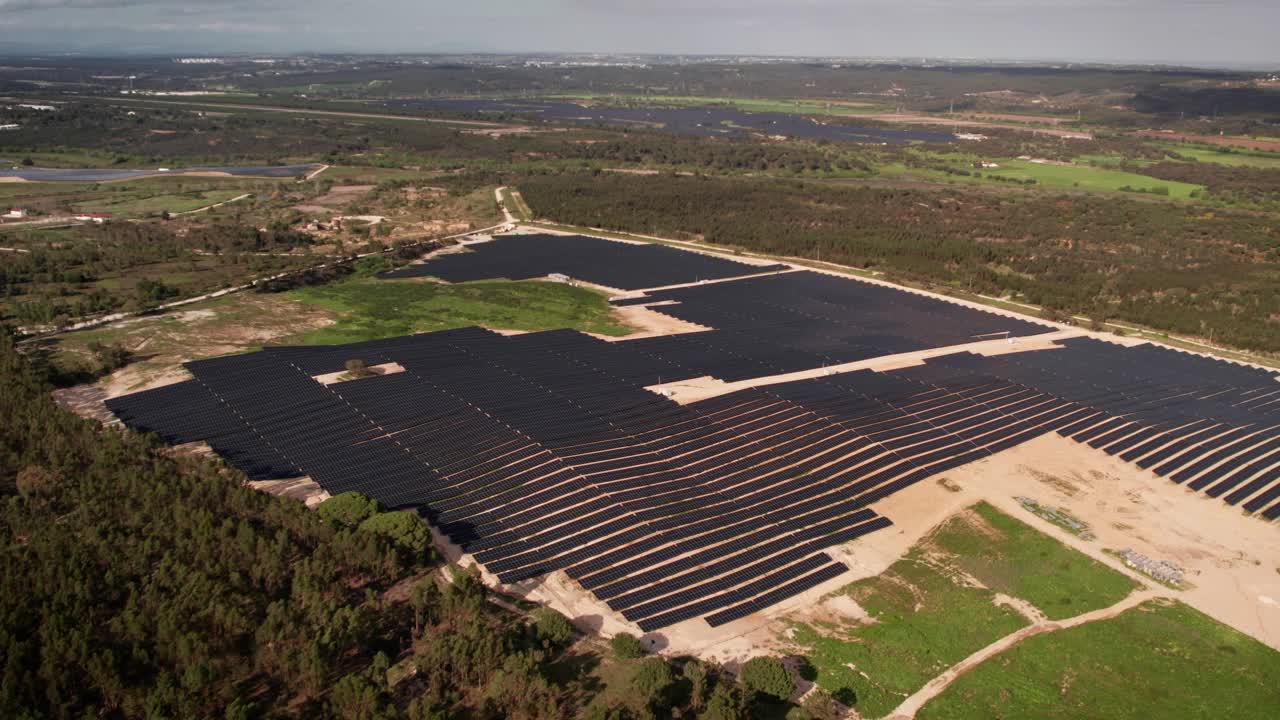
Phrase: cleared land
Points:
(1159, 660)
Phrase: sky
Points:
(1191, 32)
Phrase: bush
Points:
(357, 369)
(349, 509)
(626, 646)
(403, 528)
(552, 628)
(819, 705)
(766, 676)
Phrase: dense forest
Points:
(1182, 269)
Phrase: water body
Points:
(701, 121)
(107, 174)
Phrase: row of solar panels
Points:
(802, 320)
(1209, 424)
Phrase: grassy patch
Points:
(1087, 178)
(368, 308)
(1014, 558)
(924, 622)
(927, 614)
(1154, 661)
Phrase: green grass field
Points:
(1086, 178)
(1023, 562)
(926, 617)
(134, 205)
(1154, 661)
(924, 623)
(368, 308)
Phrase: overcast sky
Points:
(1180, 31)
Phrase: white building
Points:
(16, 213)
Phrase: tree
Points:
(626, 646)
(403, 528)
(695, 671)
(357, 369)
(766, 676)
(652, 682)
(726, 703)
(552, 628)
(349, 508)
(28, 162)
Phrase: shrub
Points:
(349, 508)
(626, 646)
(766, 676)
(403, 528)
(552, 628)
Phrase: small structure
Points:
(96, 218)
(1161, 570)
(16, 213)
(10, 126)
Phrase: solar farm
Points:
(561, 452)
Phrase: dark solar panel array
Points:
(544, 452)
(625, 266)
(1211, 425)
(797, 321)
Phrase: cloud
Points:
(15, 6)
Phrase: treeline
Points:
(724, 155)
(1242, 185)
(1185, 270)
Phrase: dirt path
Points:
(934, 687)
(206, 208)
